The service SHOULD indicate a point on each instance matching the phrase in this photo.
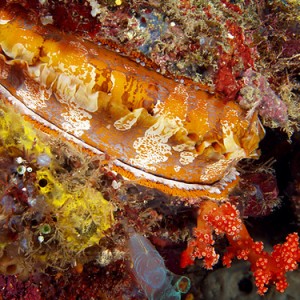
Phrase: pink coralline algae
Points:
(258, 95)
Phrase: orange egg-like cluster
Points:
(175, 136)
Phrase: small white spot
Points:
(202, 41)
(177, 168)
(115, 184)
(19, 160)
(47, 20)
(96, 9)
(31, 201)
(230, 36)
(40, 238)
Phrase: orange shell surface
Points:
(165, 134)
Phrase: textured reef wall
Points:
(144, 145)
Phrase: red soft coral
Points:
(267, 268)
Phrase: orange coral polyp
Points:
(164, 134)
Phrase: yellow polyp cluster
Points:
(82, 216)
(17, 134)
